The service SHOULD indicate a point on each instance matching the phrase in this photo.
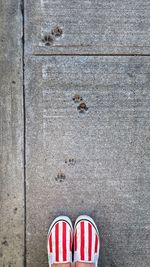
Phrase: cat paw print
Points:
(60, 177)
(70, 162)
(57, 32)
(77, 98)
(50, 37)
(82, 107)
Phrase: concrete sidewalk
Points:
(75, 126)
(94, 162)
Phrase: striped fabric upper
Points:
(60, 243)
(86, 242)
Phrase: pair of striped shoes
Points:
(83, 241)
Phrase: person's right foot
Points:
(86, 241)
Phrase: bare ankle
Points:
(61, 265)
(83, 264)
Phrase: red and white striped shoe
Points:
(60, 238)
(86, 240)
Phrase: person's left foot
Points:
(60, 238)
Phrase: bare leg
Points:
(61, 264)
(83, 264)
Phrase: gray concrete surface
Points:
(92, 158)
(11, 136)
(88, 27)
(95, 162)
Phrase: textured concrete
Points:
(11, 136)
(87, 130)
(94, 162)
(88, 26)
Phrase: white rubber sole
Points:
(86, 218)
(60, 218)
